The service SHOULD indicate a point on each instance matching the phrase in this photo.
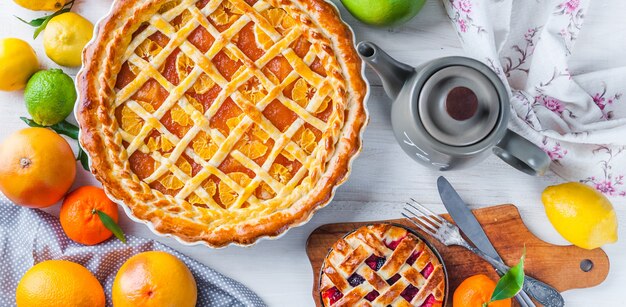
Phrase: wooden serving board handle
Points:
(558, 266)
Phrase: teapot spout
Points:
(392, 73)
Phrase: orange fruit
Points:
(37, 167)
(78, 215)
(54, 283)
(154, 279)
(475, 291)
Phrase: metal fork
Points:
(449, 234)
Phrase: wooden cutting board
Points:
(559, 266)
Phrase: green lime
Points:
(383, 12)
(50, 96)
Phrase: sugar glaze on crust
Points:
(101, 137)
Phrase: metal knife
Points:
(465, 220)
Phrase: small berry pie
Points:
(221, 121)
(382, 265)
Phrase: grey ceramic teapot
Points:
(451, 113)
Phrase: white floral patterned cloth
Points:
(564, 66)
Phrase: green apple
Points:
(383, 12)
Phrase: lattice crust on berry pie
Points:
(382, 265)
(221, 120)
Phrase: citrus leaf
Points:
(46, 19)
(511, 283)
(110, 224)
(63, 127)
(83, 158)
(35, 22)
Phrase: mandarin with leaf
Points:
(81, 215)
(476, 291)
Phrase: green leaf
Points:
(63, 127)
(110, 224)
(35, 22)
(511, 283)
(47, 19)
(82, 156)
(41, 22)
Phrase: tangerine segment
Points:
(306, 137)
(181, 20)
(209, 186)
(246, 41)
(151, 92)
(252, 90)
(225, 15)
(173, 182)
(230, 165)
(148, 50)
(227, 110)
(227, 195)
(125, 76)
(204, 146)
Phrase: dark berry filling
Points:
(355, 279)
(427, 270)
(430, 301)
(375, 262)
(372, 295)
(333, 294)
(413, 257)
(393, 279)
(409, 292)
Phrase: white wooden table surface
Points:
(382, 179)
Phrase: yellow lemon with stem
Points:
(581, 214)
(65, 37)
(18, 62)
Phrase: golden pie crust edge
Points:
(97, 133)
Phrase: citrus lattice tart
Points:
(221, 121)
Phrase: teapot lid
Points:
(459, 106)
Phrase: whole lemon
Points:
(18, 62)
(65, 37)
(59, 283)
(581, 214)
(154, 279)
(41, 5)
(50, 96)
(37, 167)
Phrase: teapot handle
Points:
(522, 154)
